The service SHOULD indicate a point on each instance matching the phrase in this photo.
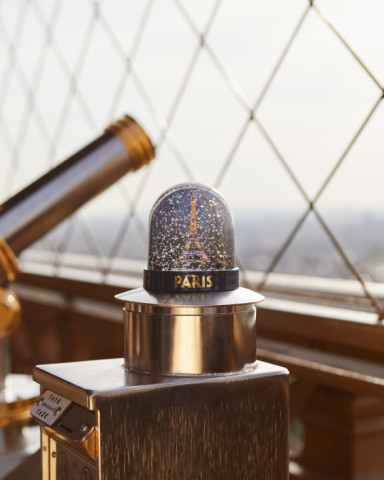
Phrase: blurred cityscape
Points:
(259, 236)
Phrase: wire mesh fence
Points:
(278, 104)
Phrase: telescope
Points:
(123, 147)
(189, 400)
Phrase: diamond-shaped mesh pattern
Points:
(276, 103)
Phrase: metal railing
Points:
(213, 119)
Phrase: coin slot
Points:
(67, 429)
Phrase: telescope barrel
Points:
(34, 211)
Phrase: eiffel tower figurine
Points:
(193, 255)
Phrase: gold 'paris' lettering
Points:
(186, 282)
(193, 281)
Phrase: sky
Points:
(70, 68)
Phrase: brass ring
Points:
(10, 312)
(135, 140)
(8, 260)
(16, 412)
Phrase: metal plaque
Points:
(49, 408)
(71, 466)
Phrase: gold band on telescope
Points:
(8, 261)
(16, 411)
(135, 140)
